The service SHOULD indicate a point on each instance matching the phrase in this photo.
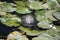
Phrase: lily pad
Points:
(20, 3)
(58, 32)
(16, 36)
(46, 6)
(51, 32)
(53, 4)
(58, 28)
(44, 37)
(29, 31)
(22, 10)
(2, 13)
(58, 9)
(56, 15)
(44, 25)
(8, 7)
(10, 21)
(49, 15)
(36, 5)
(21, 7)
(40, 15)
(58, 1)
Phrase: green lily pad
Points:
(9, 15)
(58, 9)
(29, 31)
(49, 15)
(1, 2)
(16, 36)
(11, 23)
(21, 7)
(58, 1)
(52, 4)
(36, 5)
(58, 28)
(44, 37)
(8, 7)
(56, 15)
(44, 25)
(51, 32)
(22, 10)
(20, 3)
(40, 15)
(46, 6)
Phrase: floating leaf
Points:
(56, 15)
(45, 18)
(10, 21)
(58, 32)
(52, 4)
(22, 10)
(1, 2)
(58, 9)
(35, 5)
(44, 37)
(58, 28)
(44, 25)
(40, 15)
(2, 13)
(8, 7)
(49, 15)
(58, 1)
(16, 36)
(9, 15)
(51, 32)
(20, 3)
(21, 7)
(46, 6)
(29, 31)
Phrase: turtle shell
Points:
(28, 21)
